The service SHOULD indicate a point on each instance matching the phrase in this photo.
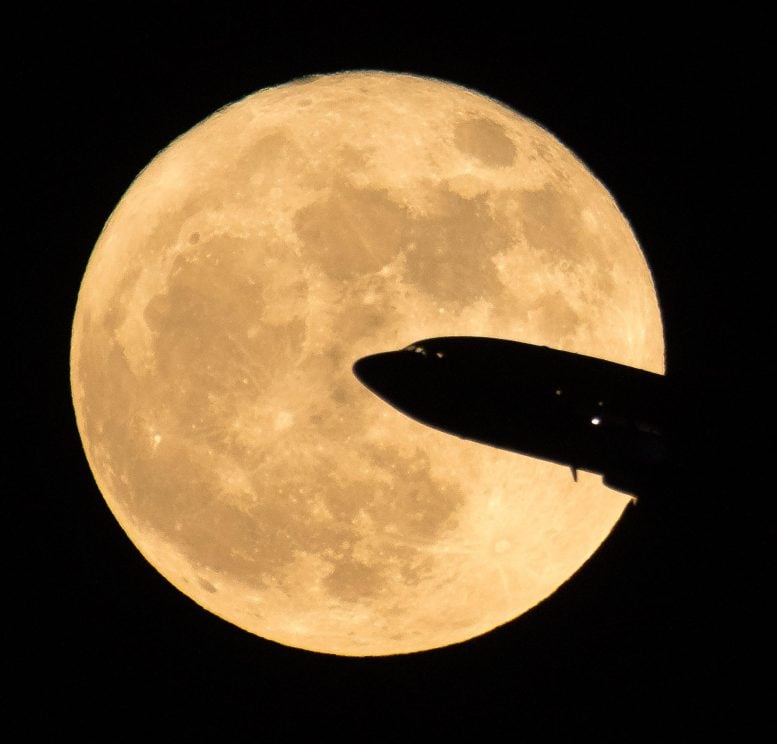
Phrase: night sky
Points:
(663, 624)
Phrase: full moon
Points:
(246, 269)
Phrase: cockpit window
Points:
(424, 351)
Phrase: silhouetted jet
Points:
(582, 412)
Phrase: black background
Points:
(660, 632)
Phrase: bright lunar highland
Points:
(237, 281)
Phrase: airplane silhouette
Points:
(579, 411)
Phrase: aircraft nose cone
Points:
(405, 381)
(379, 372)
(412, 383)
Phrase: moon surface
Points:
(241, 275)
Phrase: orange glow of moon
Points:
(247, 268)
